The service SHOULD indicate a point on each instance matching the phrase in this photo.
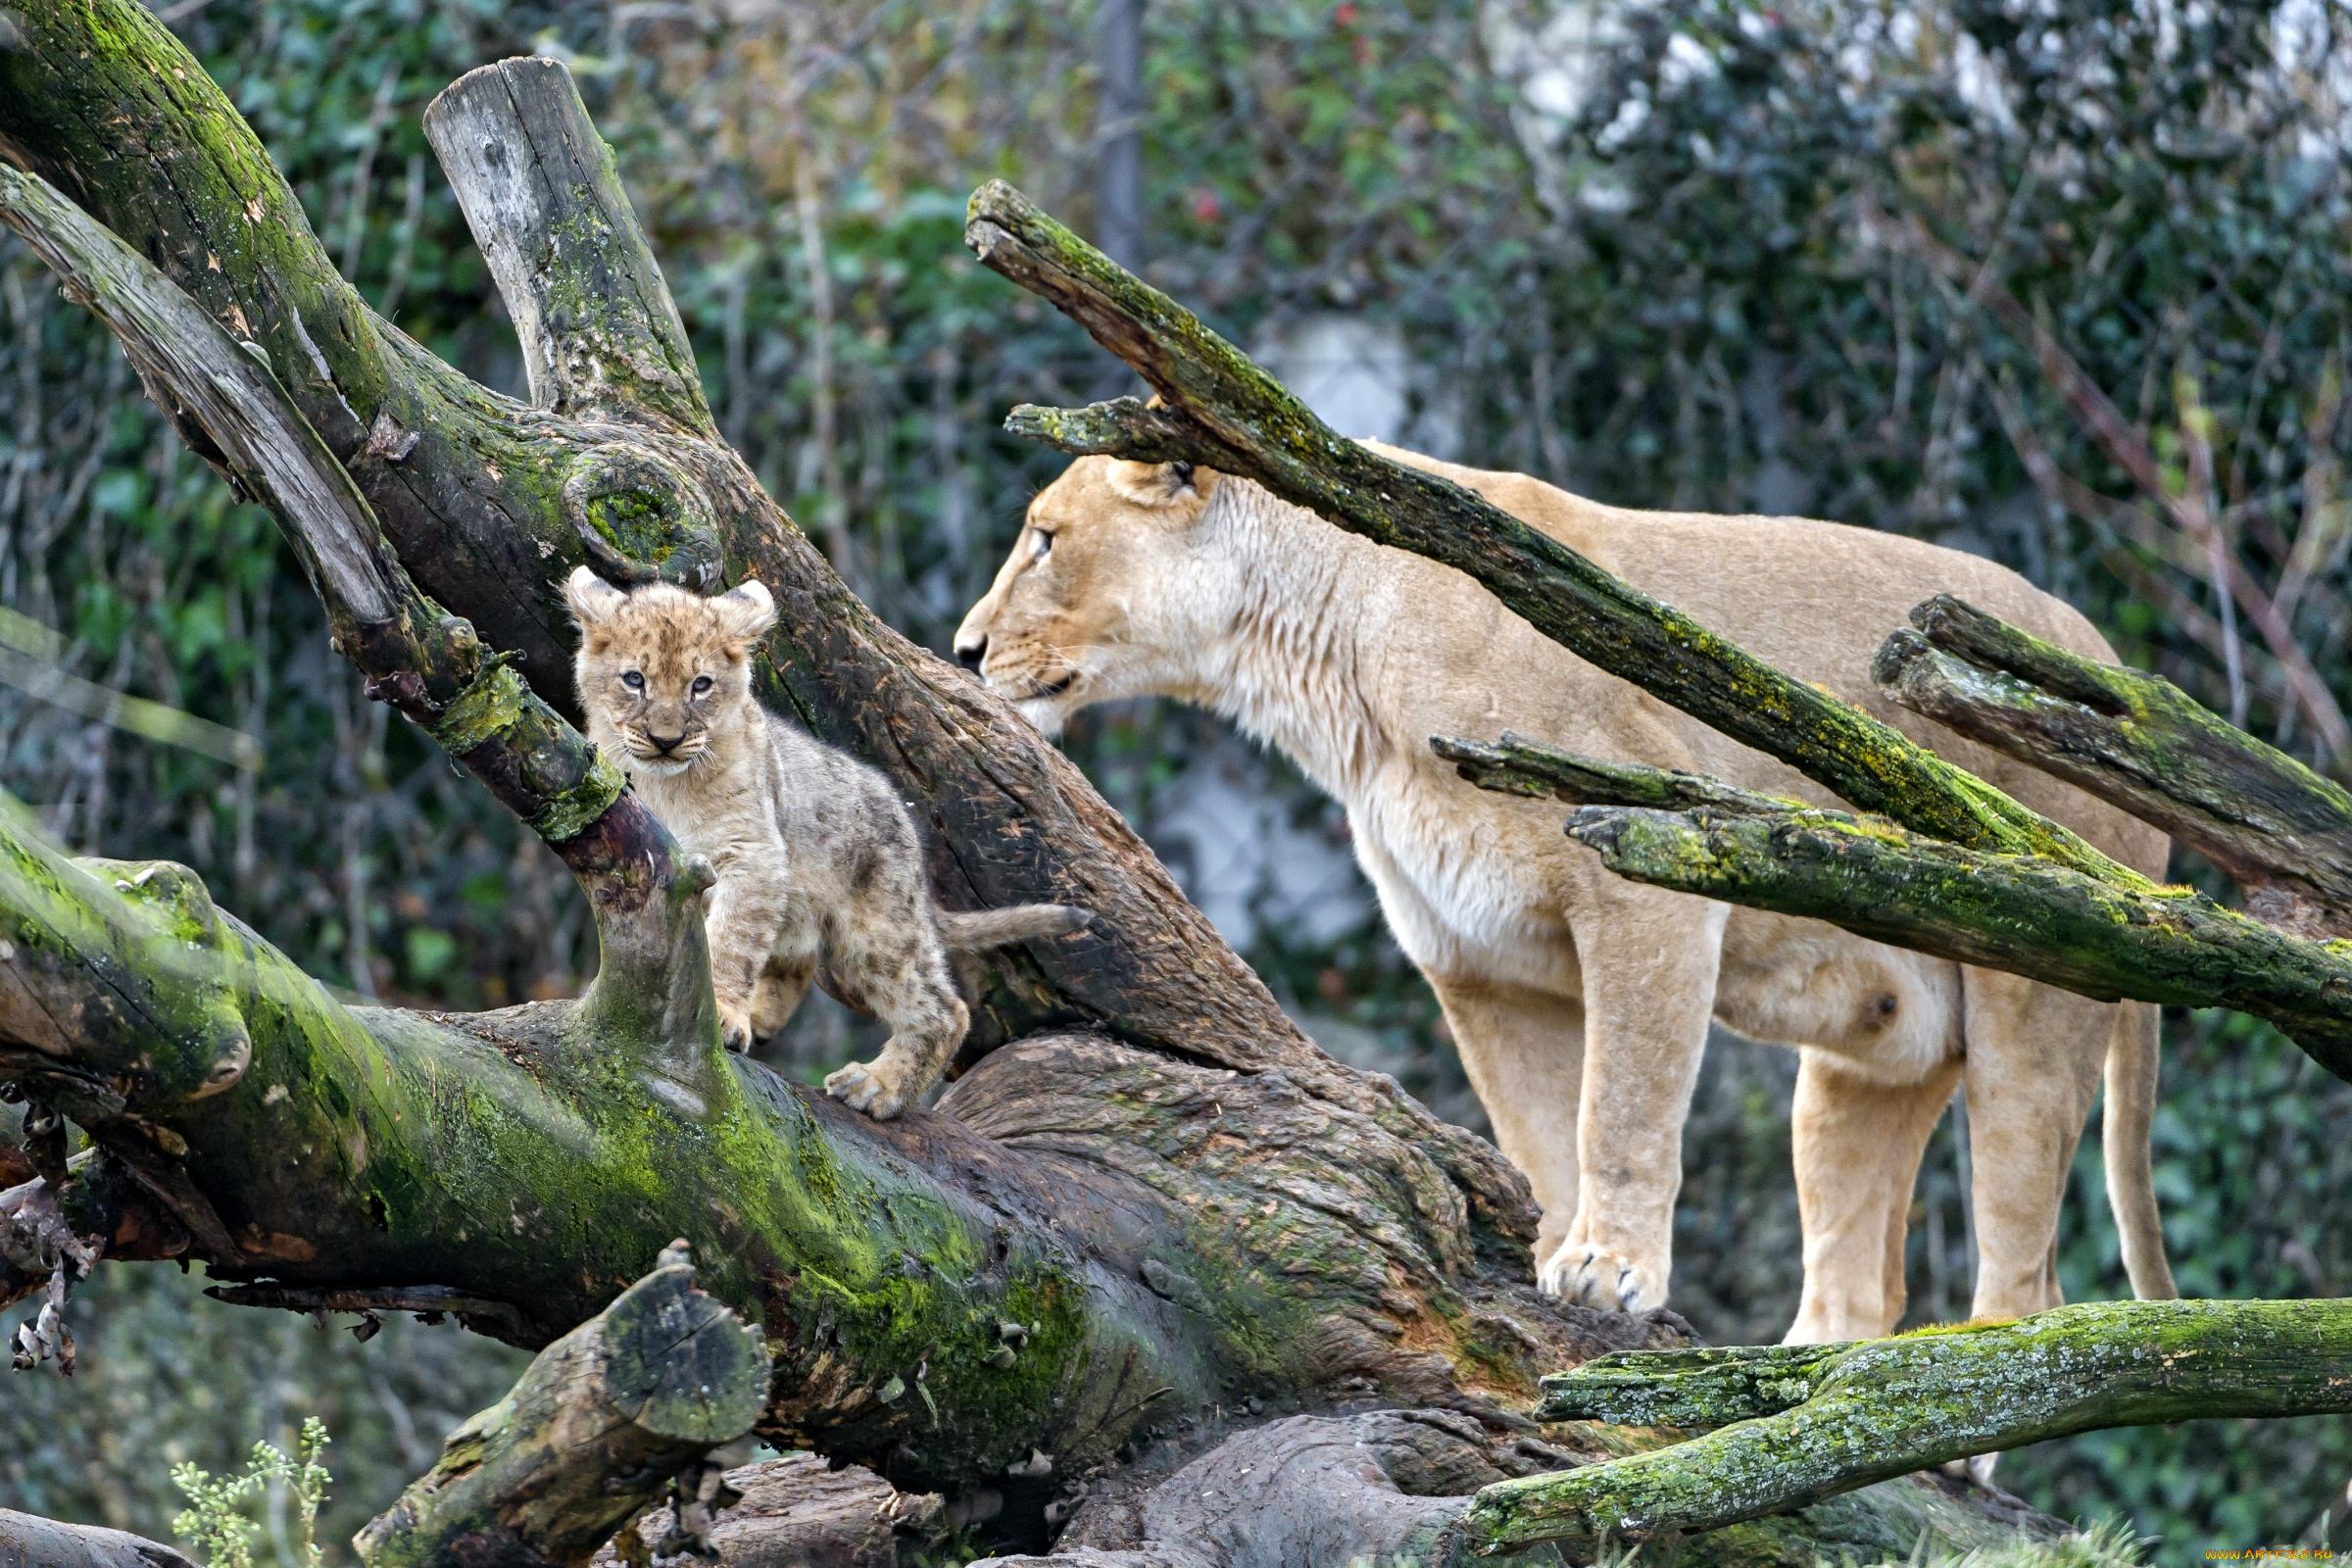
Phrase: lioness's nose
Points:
(665, 744)
(972, 654)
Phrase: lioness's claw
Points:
(1591, 1275)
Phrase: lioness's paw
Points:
(879, 1087)
(734, 1027)
(1591, 1275)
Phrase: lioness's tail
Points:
(965, 930)
(2131, 1185)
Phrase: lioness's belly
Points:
(1893, 1014)
(1794, 982)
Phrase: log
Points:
(30, 1541)
(1218, 408)
(2280, 831)
(595, 1429)
(1398, 1487)
(1801, 1423)
(797, 1512)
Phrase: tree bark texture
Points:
(594, 1430)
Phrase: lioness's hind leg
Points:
(1856, 1145)
(2034, 1057)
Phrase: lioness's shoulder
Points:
(1582, 526)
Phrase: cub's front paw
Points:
(734, 1027)
(1591, 1275)
(880, 1088)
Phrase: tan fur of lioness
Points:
(1578, 1001)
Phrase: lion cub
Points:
(816, 856)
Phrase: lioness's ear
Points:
(1159, 484)
(746, 610)
(591, 598)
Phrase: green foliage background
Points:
(1653, 252)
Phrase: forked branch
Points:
(2280, 831)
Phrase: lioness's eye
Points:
(1045, 544)
(634, 681)
(702, 684)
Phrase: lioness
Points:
(1578, 1001)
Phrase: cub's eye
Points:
(634, 681)
(1181, 472)
(1044, 545)
(702, 684)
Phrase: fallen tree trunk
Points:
(1809, 1421)
(597, 1427)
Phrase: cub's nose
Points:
(972, 654)
(665, 744)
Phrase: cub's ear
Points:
(591, 598)
(746, 610)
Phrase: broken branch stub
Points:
(601, 335)
(1223, 411)
(593, 1431)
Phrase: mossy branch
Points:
(2024, 913)
(1223, 411)
(600, 333)
(1811, 1421)
(2281, 831)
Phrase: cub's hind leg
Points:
(890, 953)
(779, 992)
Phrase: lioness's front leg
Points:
(1524, 1054)
(1650, 961)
